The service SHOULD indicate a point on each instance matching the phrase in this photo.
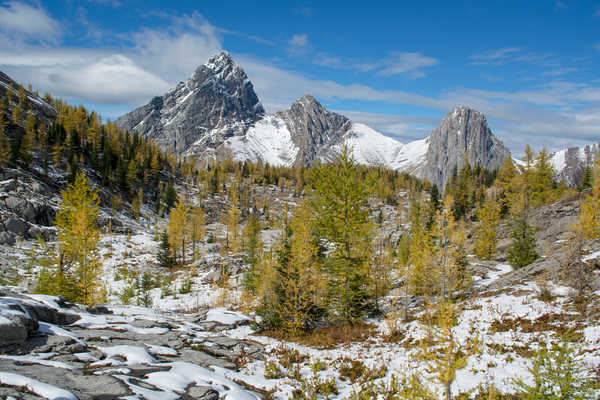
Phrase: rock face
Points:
(462, 131)
(570, 163)
(313, 129)
(216, 102)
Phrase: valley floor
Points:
(191, 343)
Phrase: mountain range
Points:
(216, 114)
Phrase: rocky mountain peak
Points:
(218, 101)
(311, 126)
(462, 131)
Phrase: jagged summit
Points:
(462, 130)
(216, 102)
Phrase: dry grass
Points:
(328, 337)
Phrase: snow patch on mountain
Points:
(269, 140)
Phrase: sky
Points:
(530, 66)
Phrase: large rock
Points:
(16, 226)
(462, 131)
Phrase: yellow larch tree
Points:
(300, 281)
(178, 218)
(488, 216)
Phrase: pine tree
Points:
(340, 206)
(76, 264)
(522, 252)
(486, 240)
(403, 264)
(449, 251)
(164, 255)
(299, 277)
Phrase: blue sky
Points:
(531, 67)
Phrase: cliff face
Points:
(462, 131)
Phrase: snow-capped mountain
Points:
(217, 114)
(216, 102)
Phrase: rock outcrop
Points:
(570, 164)
(463, 131)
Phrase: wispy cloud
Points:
(408, 64)
(23, 21)
(298, 44)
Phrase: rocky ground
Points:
(185, 335)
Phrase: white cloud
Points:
(20, 20)
(155, 61)
(298, 44)
(406, 63)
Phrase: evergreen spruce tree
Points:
(164, 255)
(341, 212)
(586, 181)
(542, 180)
(522, 252)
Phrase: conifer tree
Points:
(164, 255)
(522, 252)
(299, 277)
(449, 251)
(486, 240)
(557, 374)
(422, 279)
(403, 264)
(542, 180)
(252, 243)
(341, 210)
(5, 152)
(232, 222)
(75, 266)
(444, 353)
(17, 115)
(588, 223)
(196, 228)
(137, 202)
(586, 181)
(177, 227)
